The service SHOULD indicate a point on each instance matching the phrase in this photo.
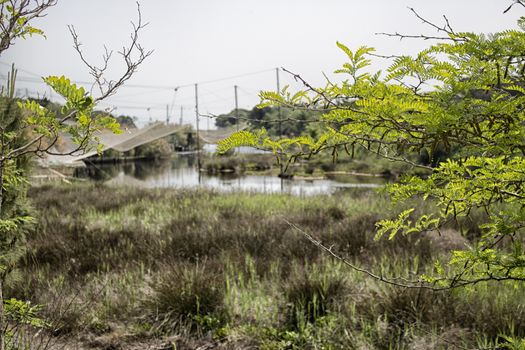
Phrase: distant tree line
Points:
(276, 121)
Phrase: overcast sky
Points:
(197, 41)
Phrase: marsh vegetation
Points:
(124, 268)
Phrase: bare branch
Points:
(330, 251)
(516, 2)
(97, 73)
(384, 56)
(329, 101)
(297, 77)
(420, 36)
(445, 29)
(133, 56)
(456, 281)
(448, 26)
(273, 121)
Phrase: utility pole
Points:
(280, 130)
(167, 114)
(279, 108)
(181, 112)
(236, 108)
(197, 127)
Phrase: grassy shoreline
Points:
(127, 268)
(316, 167)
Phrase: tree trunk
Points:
(2, 315)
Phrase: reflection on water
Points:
(182, 172)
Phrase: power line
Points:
(144, 107)
(115, 100)
(130, 104)
(142, 86)
(230, 77)
(217, 96)
(142, 93)
(32, 77)
(248, 91)
(20, 69)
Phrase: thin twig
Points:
(412, 284)
(516, 2)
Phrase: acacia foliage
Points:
(463, 96)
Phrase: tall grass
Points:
(120, 267)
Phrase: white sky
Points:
(204, 40)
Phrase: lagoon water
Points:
(181, 172)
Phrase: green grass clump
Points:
(313, 292)
(188, 296)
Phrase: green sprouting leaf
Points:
(83, 119)
(438, 267)
(346, 50)
(393, 226)
(241, 138)
(75, 96)
(12, 224)
(521, 22)
(22, 312)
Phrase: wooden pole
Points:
(280, 130)
(236, 108)
(197, 128)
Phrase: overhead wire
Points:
(189, 98)
(127, 104)
(147, 86)
(142, 93)
(22, 70)
(209, 92)
(248, 92)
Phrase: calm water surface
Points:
(181, 172)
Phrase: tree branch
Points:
(12, 23)
(456, 280)
(446, 29)
(107, 87)
(516, 2)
